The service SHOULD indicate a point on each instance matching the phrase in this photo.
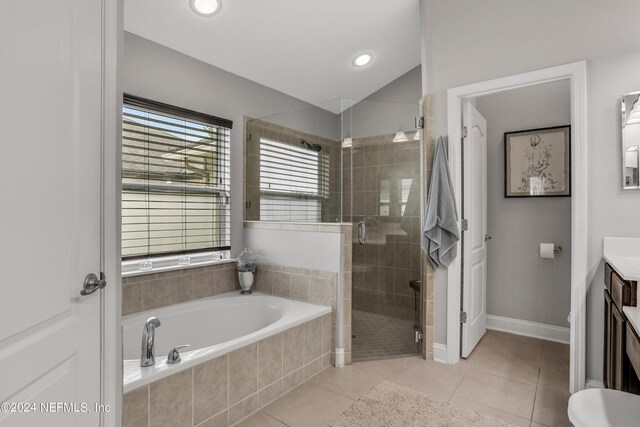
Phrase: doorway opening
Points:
(576, 75)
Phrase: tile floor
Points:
(522, 380)
(378, 336)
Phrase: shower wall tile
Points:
(254, 130)
(391, 257)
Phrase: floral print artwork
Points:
(537, 163)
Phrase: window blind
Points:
(175, 180)
(294, 182)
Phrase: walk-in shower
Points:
(354, 162)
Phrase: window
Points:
(294, 182)
(175, 182)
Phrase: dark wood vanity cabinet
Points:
(618, 293)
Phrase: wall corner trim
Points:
(440, 353)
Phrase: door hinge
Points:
(463, 317)
(464, 224)
(464, 131)
(417, 336)
(419, 122)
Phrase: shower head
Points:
(312, 147)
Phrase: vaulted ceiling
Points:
(300, 47)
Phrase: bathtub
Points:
(212, 327)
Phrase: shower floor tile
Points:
(377, 336)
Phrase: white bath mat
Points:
(391, 405)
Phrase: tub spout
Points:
(148, 353)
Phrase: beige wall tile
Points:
(220, 420)
(320, 291)
(170, 401)
(181, 288)
(225, 280)
(210, 388)
(264, 280)
(300, 287)
(135, 408)
(327, 334)
(243, 409)
(281, 284)
(204, 284)
(270, 393)
(243, 373)
(312, 340)
(293, 349)
(292, 380)
(131, 298)
(156, 293)
(269, 360)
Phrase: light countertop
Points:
(633, 315)
(623, 254)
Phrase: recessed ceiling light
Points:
(362, 59)
(206, 7)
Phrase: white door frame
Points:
(577, 74)
(111, 297)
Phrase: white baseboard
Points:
(439, 353)
(339, 357)
(529, 329)
(591, 383)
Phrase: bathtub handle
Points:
(174, 355)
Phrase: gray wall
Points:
(393, 106)
(502, 38)
(159, 73)
(520, 284)
(384, 111)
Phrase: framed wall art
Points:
(538, 162)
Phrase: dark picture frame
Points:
(537, 162)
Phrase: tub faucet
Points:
(148, 354)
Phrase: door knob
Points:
(92, 284)
(487, 237)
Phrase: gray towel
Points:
(441, 232)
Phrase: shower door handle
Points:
(362, 232)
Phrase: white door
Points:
(474, 270)
(50, 110)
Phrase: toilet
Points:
(598, 407)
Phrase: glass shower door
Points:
(382, 198)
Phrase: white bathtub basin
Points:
(212, 327)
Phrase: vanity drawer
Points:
(622, 292)
(633, 348)
(607, 276)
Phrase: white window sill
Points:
(141, 267)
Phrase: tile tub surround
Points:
(301, 284)
(224, 390)
(155, 290)
(268, 282)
